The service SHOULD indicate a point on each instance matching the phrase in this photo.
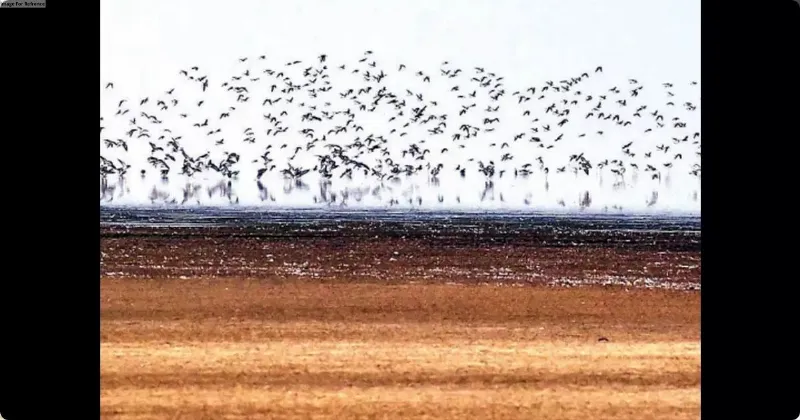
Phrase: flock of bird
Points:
(361, 121)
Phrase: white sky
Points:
(145, 42)
(523, 39)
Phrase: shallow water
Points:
(251, 217)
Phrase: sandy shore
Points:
(228, 348)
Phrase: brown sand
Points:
(234, 348)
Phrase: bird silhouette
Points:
(319, 120)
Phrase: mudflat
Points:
(400, 253)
